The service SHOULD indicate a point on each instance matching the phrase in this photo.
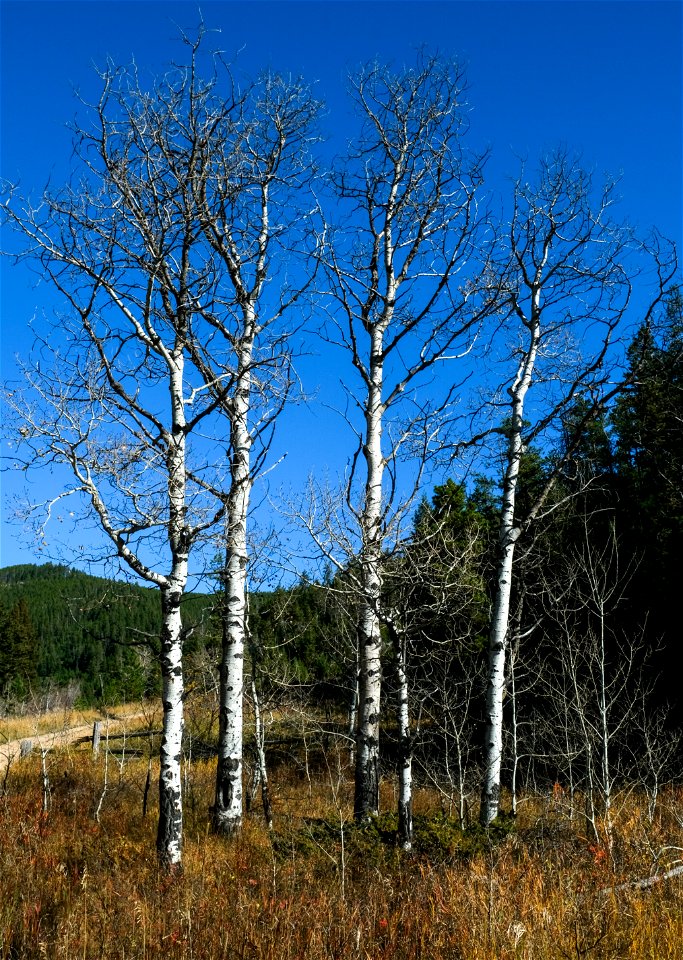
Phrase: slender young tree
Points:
(432, 594)
(401, 268)
(596, 678)
(564, 284)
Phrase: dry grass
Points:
(36, 723)
(71, 887)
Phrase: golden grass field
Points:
(33, 724)
(73, 886)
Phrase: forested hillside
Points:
(60, 627)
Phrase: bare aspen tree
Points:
(139, 249)
(256, 212)
(564, 283)
(401, 264)
(109, 393)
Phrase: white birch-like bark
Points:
(366, 800)
(170, 828)
(515, 741)
(259, 742)
(228, 804)
(564, 287)
(353, 710)
(405, 771)
(507, 538)
(409, 190)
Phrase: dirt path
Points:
(10, 750)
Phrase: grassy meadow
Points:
(80, 879)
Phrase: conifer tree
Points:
(18, 650)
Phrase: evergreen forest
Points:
(64, 630)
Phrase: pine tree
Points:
(648, 427)
(18, 650)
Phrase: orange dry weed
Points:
(71, 887)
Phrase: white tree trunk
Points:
(515, 738)
(366, 803)
(405, 773)
(370, 687)
(259, 740)
(353, 712)
(495, 689)
(228, 804)
(227, 810)
(507, 539)
(170, 829)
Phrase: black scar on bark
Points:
(225, 790)
(169, 830)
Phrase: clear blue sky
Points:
(603, 78)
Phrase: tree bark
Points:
(405, 773)
(261, 753)
(507, 538)
(228, 803)
(170, 829)
(366, 801)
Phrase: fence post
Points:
(96, 738)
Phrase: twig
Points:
(646, 882)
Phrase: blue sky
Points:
(603, 78)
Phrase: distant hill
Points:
(59, 625)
